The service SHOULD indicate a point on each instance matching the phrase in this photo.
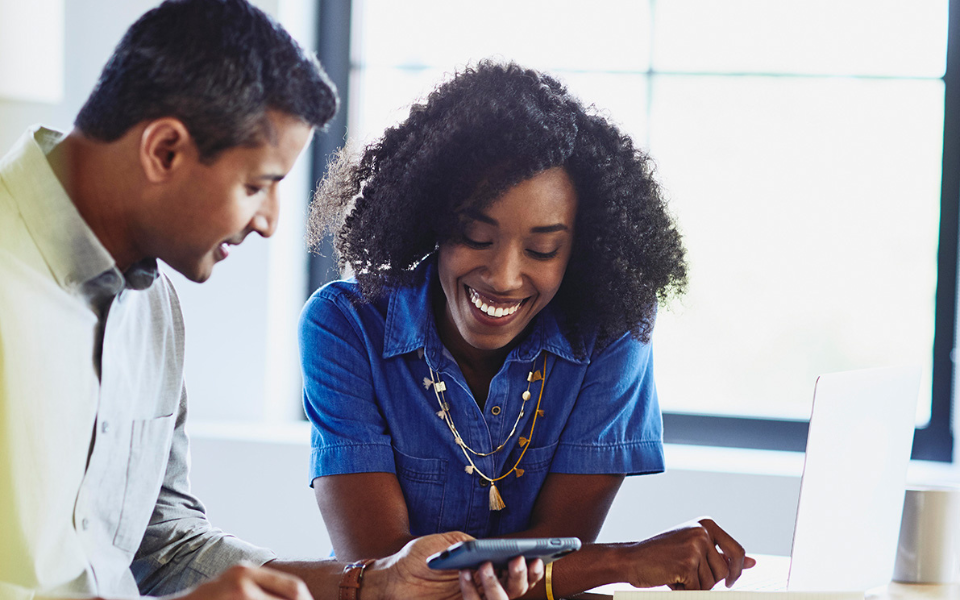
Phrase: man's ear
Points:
(165, 145)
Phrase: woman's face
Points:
(510, 262)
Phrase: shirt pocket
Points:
(538, 460)
(149, 452)
(520, 493)
(422, 481)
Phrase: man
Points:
(177, 154)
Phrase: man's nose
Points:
(265, 221)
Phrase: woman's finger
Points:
(516, 573)
(718, 565)
(535, 572)
(705, 574)
(489, 584)
(467, 586)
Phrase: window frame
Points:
(933, 441)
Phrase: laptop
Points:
(851, 494)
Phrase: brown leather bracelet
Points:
(351, 579)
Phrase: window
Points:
(800, 143)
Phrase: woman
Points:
(489, 368)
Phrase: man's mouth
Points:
(223, 250)
(492, 308)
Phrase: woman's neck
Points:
(478, 366)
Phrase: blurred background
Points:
(809, 149)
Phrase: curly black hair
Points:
(488, 128)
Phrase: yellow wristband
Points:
(548, 581)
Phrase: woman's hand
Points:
(405, 575)
(512, 583)
(691, 557)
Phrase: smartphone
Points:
(472, 554)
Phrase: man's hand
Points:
(244, 582)
(691, 557)
(405, 575)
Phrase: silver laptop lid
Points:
(854, 477)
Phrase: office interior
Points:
(835, 255)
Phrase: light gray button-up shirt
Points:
(94, 490)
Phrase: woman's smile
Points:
(493, 308)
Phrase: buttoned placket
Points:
(474, 431)
(505, 393)
(96, 525)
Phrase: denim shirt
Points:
(365, 366)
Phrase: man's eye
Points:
(253, 190)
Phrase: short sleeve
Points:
(349, 433)
(615, 425)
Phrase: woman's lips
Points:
(492, 311)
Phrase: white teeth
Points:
(492, 311)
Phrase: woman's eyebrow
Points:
(476, 215)
(549, 228)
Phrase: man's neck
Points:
(97, 178)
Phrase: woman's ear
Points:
(165, 146)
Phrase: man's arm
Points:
(180, 548)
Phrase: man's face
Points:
(214, 206)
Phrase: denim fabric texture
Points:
(364, 366)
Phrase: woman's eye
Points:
(475, 243)
(253, 190)
(543, 255)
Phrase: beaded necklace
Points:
(439, 387)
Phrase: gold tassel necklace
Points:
(439, 387)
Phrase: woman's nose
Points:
(505, 272)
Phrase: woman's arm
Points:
(694, 556)
(365, 514)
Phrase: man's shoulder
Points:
(164, 302)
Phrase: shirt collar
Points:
(410, 325)
(76, 258)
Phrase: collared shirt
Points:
(94, 496)
(368, 392)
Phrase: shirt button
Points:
(104, 427)
(85, 524)
(484, 482)
(495, 410)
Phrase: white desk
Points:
(893, 591)
(776, 567)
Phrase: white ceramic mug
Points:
(929, 547)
